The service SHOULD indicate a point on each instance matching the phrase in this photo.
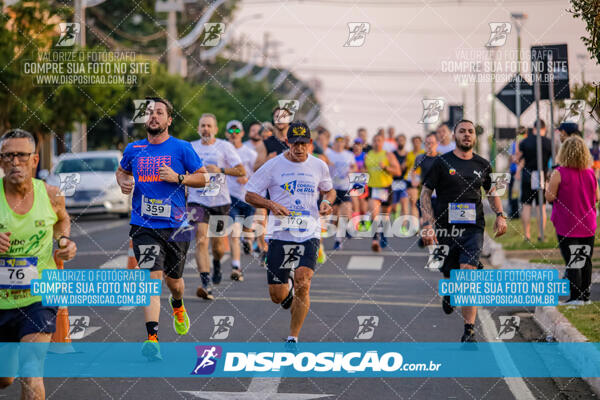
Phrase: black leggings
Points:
(580, 278)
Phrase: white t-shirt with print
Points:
(223, 155)
(339, 168)
(443, 149)
(248, 157)
(296, 186)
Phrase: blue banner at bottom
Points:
(318, 360)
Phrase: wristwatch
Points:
(501, 214)
(180, 178)
(222, 170)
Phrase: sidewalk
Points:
(550, 319)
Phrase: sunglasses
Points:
(234, 130)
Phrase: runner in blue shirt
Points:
(157, 169)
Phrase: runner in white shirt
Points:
(220, 159)
(293, 180)
(240, 211)
(444, 139)
(341, 164)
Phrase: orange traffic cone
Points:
(131, 261)
(63, 328)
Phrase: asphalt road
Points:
(392, 285)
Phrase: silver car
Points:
(88, 182)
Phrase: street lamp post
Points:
(518, 20)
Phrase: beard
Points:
(155, 131)
(464, 147)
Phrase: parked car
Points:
(88, 181)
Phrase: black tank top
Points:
(274, 145)
(401, 160)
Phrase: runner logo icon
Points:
(437, 255)
(68, 183)
(498, 33)
(357, 33)
(500, 181)
(366, 326)
(579, 254)
(213, 31)
(574, 110)
(68, 34)
(142, 111)
(292, 254)
(509, 325)
(223, 324)
(207, 359)
(148, 254)
(432, 109)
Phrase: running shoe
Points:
(217, 276)
(383, 241)
(291, 340)
(205, 293)
(287, 302)
(236, 275)
(181, 319)
(246, 246)
(337, 245)
(375, 247)
(263, 259)
(468, 337)
(446, 306)
(151, 348)
(322, 257)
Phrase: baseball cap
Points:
(569, 127)
(358, 140)
(298, 131)
(338, 137)
(234, 122)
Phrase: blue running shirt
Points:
(158, 204)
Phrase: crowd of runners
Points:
(266, 196)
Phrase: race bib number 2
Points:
(155, 208)
(462, 213)
(17, 272)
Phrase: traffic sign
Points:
(539, 63)
(509, 92)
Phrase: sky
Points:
(412, 51)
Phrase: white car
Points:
(88, 182)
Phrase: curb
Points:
(556, 325)
(493, 250)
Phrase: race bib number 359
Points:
(17, 272)
(155, 208)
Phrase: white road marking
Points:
(259, 388)
(517, 386)
(381, 254)
(117, 262)
(371, 263)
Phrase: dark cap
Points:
(298, 131)
(569, 128)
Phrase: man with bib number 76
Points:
(157, 169)
(31, 214)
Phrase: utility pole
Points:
(582, 59)
(492, 51)
(79, 134)
(519, 20)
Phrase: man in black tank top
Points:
(399, 194)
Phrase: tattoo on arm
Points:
(426, 207)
